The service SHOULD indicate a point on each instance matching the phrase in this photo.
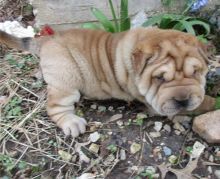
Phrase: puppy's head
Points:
(170, 68)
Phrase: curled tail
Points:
(26, 44)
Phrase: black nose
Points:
(182, 103)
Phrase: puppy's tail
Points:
(26, 44)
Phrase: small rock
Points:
(135, 147)
(158, 126)
(120, 123)
(179, 127)
(211, 158)
(101, 109)
(110, 108)
(122, 154)
(177, 132)
(109, 132)
(217, 154)
(172, 159)
(141, 116)
(94, 106)
(167, 151)
(155, 134)
(167, 128)
(157, 152)
(207, 126)
(94, 137)
(115, 117)
(86, 176)
(94, 148)
(198, 148)
(65, 155)
(209, 169)
(217, 173)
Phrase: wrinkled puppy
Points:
(165, 69)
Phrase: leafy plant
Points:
(119, 24)
(112, 148)
(13, 108)
(184, 23)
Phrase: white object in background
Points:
(16, 29)
(138, 19)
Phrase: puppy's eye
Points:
(160, 78)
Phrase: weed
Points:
(13, 108)
(112, 148)
(120, 24)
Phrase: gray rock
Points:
(207, 126)
(217, 174)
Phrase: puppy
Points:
(164, 69)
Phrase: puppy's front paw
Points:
(73, 125)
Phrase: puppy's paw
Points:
(73, 126)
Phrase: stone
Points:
(122, 154)
(115, 117)
(207, 126)
(155, 134)
(94, 148)
(94, 137)
(179, 127)
(167, 151)
(217, 174)
(158, 126)
(167, 128)
(135, 147)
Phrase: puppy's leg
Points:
(60, 108)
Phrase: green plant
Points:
(189, 24)
(112, 148)
(13, 107)
(119, 24)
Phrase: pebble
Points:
(172, 159)
(115, 117)
(179, 127)
(198, 149)
(94, 137)
(217, 174)
(135, 147)
(155, 134)
(177, 132)
(94, 148)
(167, 151)
(122, 154)
(209, 169)
(110, 108)
(211, 158)
(218, 154)
(101, 109)
(207, 126)
(158, 126)
(167, 128)
(120, 123)
(94, 106)
(141, 116)
(86, 176)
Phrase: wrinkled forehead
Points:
(177, 47)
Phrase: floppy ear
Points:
(140, 60)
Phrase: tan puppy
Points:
(162, 68)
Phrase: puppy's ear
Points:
(140, 60)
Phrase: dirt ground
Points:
(124, 145)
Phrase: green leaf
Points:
(202, 39)
(114, 16)
(217, 103)
(188, 27)
(124, 18)
(155, 20)
(107, 24)
(91, 26)
(201, 23)
(165, 22)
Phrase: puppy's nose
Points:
(182, 103)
